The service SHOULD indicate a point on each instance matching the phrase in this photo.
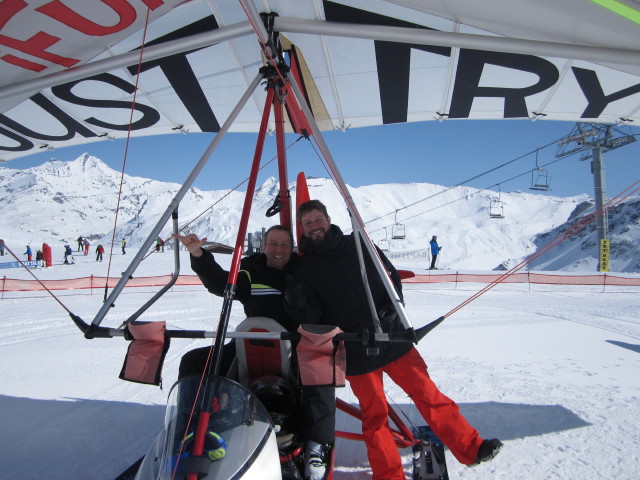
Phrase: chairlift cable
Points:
(472, 194)
(559, 239)
(462, 183)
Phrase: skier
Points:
(28, 253)
(329, 291)
(99, 252)
(123, 244)
(80, 243)
(39, 259)
(86, 246)
(68, 255)
(435, 250)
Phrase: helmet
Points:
(279, 398)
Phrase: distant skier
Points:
(28, 253)
(123, 244)
(435, 250)
(86, 246)
(99, 252)
(39, 258)
(68, 255)
(80, 243)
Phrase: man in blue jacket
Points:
(435, 250)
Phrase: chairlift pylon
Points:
(539, 178)
(496, 206)
(397, 229)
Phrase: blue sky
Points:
(444, 153)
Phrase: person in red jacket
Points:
(334, 294)
(99, 252)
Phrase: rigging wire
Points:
(37, 280)
(126, 150)
(186, 225)
(203, 378)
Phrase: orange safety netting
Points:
(527, 277)
(16, 285)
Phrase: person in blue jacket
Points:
(29, 253)
(435, 250)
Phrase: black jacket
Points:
(259, 287)
(335, 295)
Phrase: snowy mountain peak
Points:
(58, 201)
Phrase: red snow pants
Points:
(442, 414)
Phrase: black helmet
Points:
(279, 398)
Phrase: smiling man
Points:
(260, 288)
(261, 279)
(332, 293)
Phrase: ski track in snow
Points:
(553, 372)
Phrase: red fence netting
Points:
(527, 277)
(16, 285)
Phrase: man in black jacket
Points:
(334, 294)
(260, 287)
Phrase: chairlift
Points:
(496, 206)
(397, 230)
(539, 178)
(383, 244)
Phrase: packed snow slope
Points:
(550, 370)
(59, 201)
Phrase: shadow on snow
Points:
(628, 346)
(98, 439)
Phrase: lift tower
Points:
(593, 139)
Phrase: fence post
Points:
(529, 279)
(4, 281)
(604, 282)
(91, 284)
(456, 287)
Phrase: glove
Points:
(293, 294)
(386, 314)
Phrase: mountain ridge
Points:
(60, 200)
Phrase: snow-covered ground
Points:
(552, 371)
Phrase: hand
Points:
(192, 242)
(293, 293)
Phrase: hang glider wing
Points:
(69, 68)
